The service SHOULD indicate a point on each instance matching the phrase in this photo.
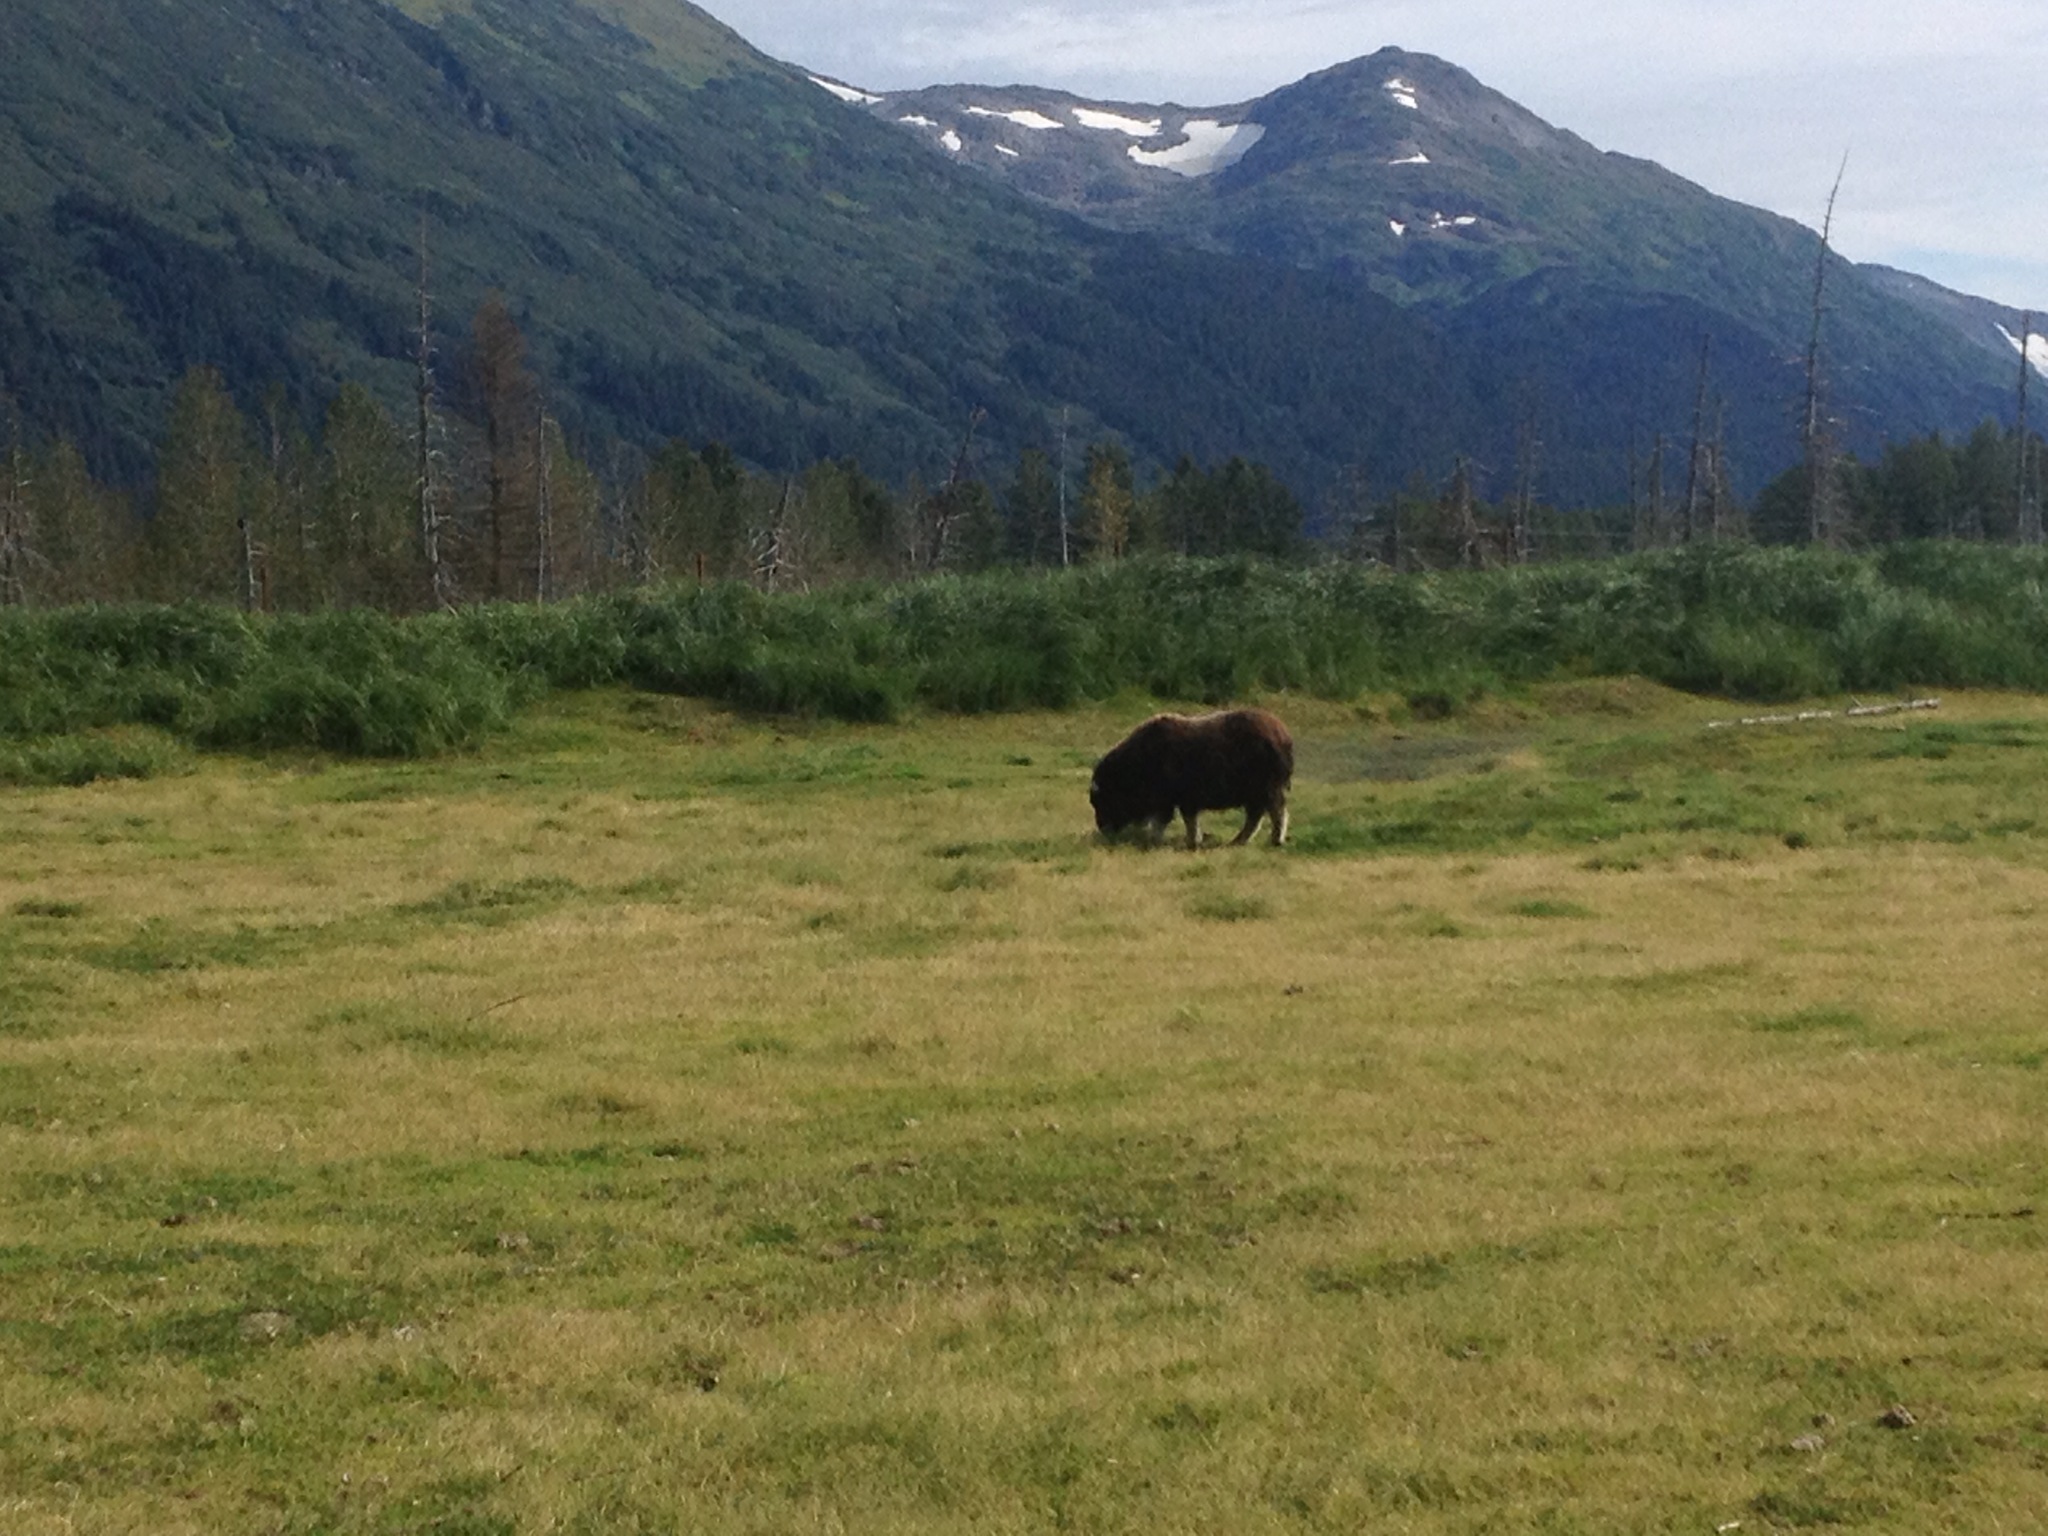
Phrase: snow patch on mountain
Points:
(846, 92)
(1404, 93)
(952, 141)
(1036, 121)
(2037, 348)
(1418, 158)
(1116, 122)
(1210, 147)
(917, 121)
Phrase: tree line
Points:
(482, 496)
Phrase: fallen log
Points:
(1854, 712)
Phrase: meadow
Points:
(661, 1117)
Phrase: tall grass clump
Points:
(356, 682)
(84, 757)
(543, 646)
(798, 654)
(1732, 620)
(1012, 641)
(73, 669)
(363, 685)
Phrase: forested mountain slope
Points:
(699, 242)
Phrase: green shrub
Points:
(1765, 624)
(89, 756)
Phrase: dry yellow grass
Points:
(667, 1122)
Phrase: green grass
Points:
(661, 1118)
(89, 693)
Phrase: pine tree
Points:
(199, 544)
(507, 403)
(573, 521)
(1259, 515)
(1031, 511)
(1108, 502)
(365, 548)
(83, 532)
(1185, 511)
(280, 509)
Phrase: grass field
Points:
(661, 1120)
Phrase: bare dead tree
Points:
(543, 510)
(1521, 532)
(245, 540)
(940, 508)
(1693, 478)
(427, 426)
(17, 533)
(1462, 518)
(1066, 526)
(1816, 437)
(1353, 514)
(1723, 512)
(1638, 526)
(2029, 506)
(777, 558)
(1660, 514)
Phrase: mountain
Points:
(1582, 272)
(702, 242)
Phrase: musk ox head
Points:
(1119, 794)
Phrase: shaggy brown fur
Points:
(1195, 763)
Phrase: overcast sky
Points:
(1941, 108)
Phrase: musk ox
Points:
(1196, 763)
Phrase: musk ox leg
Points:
(1194, 821)
(1252, 813)
(1278, 811)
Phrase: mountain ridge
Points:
(1383, 95)
(701, 242)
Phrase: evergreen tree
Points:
(280, 508)
(1108, 502)
(696, 511)
(1984, 485)
(1031, 511)
(508, 405)
(364, 548)
(877, 518)
(82, 532)
(1913, 494)
(199, 543)
(1186, 512)
(852, 524)
(573, 504)
(1260, 515)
